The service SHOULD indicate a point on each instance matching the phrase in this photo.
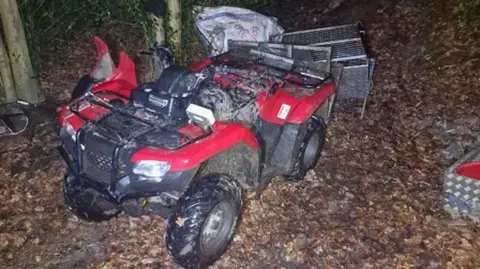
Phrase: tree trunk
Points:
(159, 30)
(175, 23)
(7, 86)
(155, 68)
(27, 87)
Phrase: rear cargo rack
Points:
(281, 67)
(347, 48)
(321, 36)
(319, 56)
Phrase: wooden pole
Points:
(7, 86)
(175, 23)
(159, 30)
(26, 85)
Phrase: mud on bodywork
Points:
(280, 143)
(240, 162)
(288, 146)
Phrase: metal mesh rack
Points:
(320, 56)
(355, 80)
(274, 60)
(320, 36)
(347, 49)
(284, 50)
(326, 110)
(460, 193)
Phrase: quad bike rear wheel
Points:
(310, 149)
(204, 223)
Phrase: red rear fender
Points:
(281, 100)
(309, 104)
(283, 107)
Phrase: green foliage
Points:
(48, 21)
(60, 18)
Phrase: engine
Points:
(232, 93)
(229, 92)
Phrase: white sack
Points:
(219, 24)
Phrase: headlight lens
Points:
(151, 168)
(70, 131)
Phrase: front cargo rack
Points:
(117, 145)
(168, 129)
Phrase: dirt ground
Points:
(371, 202)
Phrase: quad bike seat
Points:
(177, 81)
(171, 94)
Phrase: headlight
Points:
(151, 168)
(70, 131)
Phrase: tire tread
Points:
(195, 206)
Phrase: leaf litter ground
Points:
(371, 202)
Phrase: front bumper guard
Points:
(174, 182)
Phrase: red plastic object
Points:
(301, 108)
(470, 170)
(123, 79)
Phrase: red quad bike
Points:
(185, 146)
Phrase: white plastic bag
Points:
(219, 24)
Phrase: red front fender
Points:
(222, 138)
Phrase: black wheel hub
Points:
(217, 228)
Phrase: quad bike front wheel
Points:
(204, 223)
(85, 204)
(310, 149)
